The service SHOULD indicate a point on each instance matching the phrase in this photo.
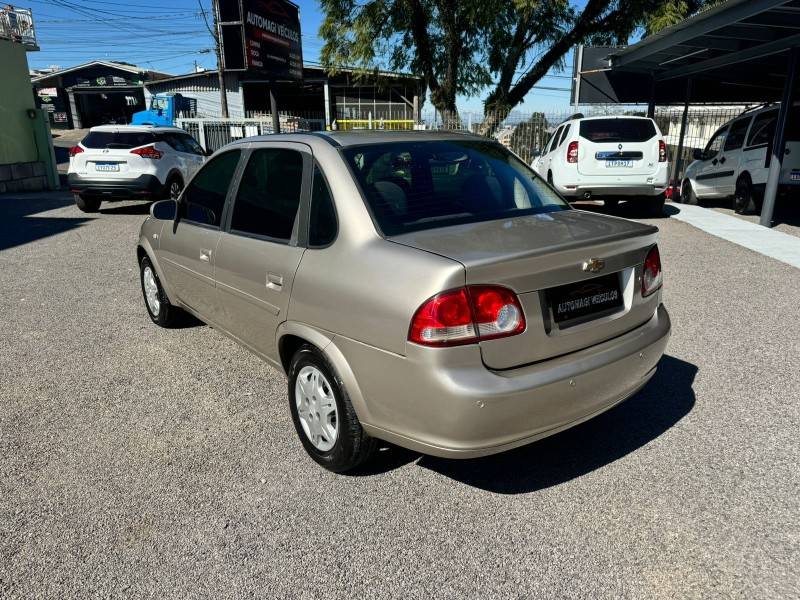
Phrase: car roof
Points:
(360, 138)
(136, 128)
(597, 117)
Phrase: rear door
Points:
(188, 247)
(260, 250)
(731, 157)
(618, 147)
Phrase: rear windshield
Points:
(410, 186)
(618, 130)
(118, 139)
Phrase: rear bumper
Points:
(143, 186)
(445, 402)
(602, 191)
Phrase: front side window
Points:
(269, 194)
(410, 186)
(715, 144)
(322, 221)
(736, 134)
(763, 129)
(204, 198)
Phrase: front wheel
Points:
(323, 414)
(161, 312)
(687, 193)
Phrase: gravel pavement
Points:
(147, 463)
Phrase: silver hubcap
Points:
(175, 190)
(316, 407)
(151, 290)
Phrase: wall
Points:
(17, 143)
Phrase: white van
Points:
(735, 162)
(607, 158)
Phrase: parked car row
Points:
(426, 289)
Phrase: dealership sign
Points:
(262, 36)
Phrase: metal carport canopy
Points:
(734, 52)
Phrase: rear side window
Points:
(763, 129)
(203, 200)
(118, 139)
(564, 134)
(322, 226)
(736, 134)
(269, 194)
(617, 130)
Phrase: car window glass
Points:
(564, 134)
(191, 144)
(118, 139)
(617, 130)
(715, 144)
(322, 226)
(172, 140)
(763, 129)
(411, 186)
(269, 194)
(549, 145)
(736, 134)
(204, 198)
(557, 138)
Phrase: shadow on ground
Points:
(666, 399)
(19, 225)
(112, 208)
(627, 210)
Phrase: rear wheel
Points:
(87, 203)
(174, 187)
(654, 205)
(744, 201)
(323, 414)
(687, 193)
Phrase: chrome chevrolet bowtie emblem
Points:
(593, 265)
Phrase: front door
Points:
(188, 245)
(258, 254)
(711, 172)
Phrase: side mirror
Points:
(697, 154)
(164, 210)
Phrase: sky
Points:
(171, 36)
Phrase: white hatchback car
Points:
(735, 162)
(607, 158)
(116, 162)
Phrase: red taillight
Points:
(662, 151)
(75, 150)
(467, 315)
(652, 277)
(147, 152)
(572, 152)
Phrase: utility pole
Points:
(223, 93)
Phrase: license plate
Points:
(106, 166)
(585, 298)
(794, 176)
(618, 163)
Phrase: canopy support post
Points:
(678, 165)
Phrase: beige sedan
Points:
(429, 290)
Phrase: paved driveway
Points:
(139, 462)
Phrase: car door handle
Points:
(722, 160)
(274, 281)
(714, 162)
(205, 254)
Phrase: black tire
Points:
(744, 200)
(687, 193)
(173, 188)
(654, 205)
(87, 204)
(352, 446)
(166, 314)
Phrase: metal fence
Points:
(525, 133)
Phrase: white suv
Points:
(608, 158)
(735, 162)
(116, 162)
